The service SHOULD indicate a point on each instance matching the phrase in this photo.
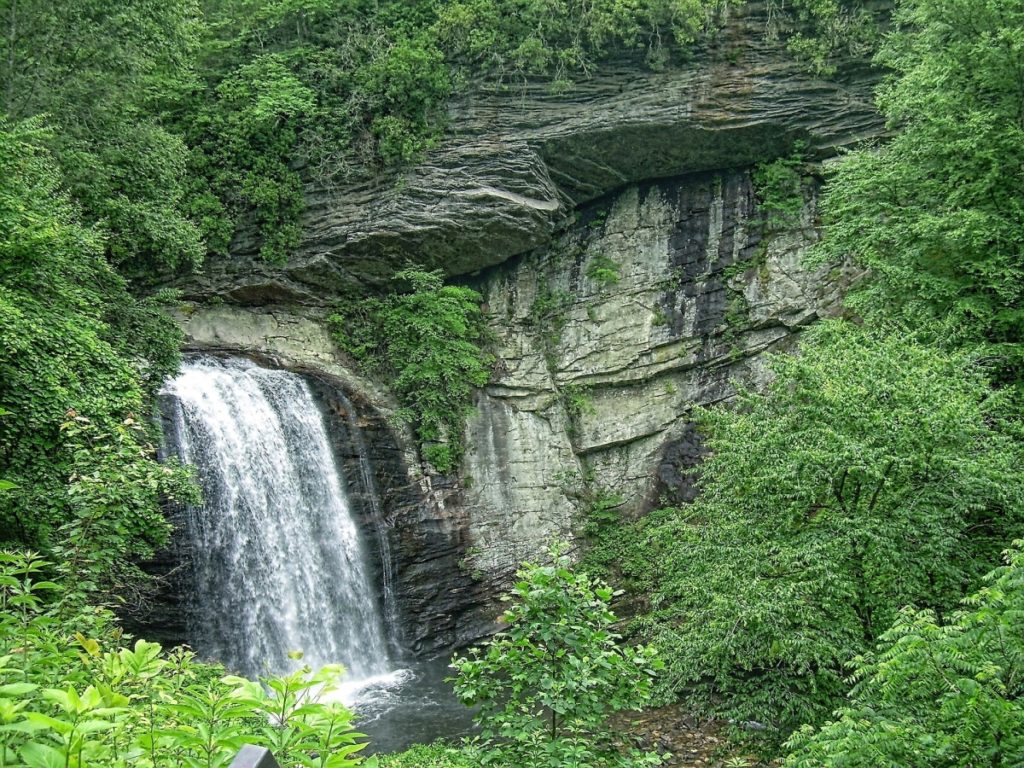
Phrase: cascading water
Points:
(278, 562)
(383, 545)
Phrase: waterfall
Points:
(380, 524)
(277, 559)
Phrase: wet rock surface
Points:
(655, 301)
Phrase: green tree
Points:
(292, 91)
(547, 684)
(98, 71)
(935, 694)
(79, 362)
(780, 188)
(873, 473)
(937, 214)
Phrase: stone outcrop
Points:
(651, 304)
(516, 162)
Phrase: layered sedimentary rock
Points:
(654, 302)
(516, 161)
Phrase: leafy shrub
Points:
(429, 343)
(547, 683)
(80, 360)
(604, 271)
(73, 694)
(935, 694)
(872, 474)
(823, 32)
(780, 189)
(437, 755)
(565, 38)
(930, 213)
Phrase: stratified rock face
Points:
(515, 164)
(652, 303)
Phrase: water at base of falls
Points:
(414, 706)
(278, 563)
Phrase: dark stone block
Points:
(254, 757)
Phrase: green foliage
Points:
(547, 683)
(250, 128)
(823, 32)
(935, 694)
(115, 493)
(604, 271)
(430, 344)
(576, 400)
(73, 694)
(96, 70)
(600, 506)
(79, 362)
(616, 549)
(620, 552)
(291, 91)
(330, 89)
(874, 473)
(780, 188)
(437, 755)
(934, 213)
(563, 38)
(602, 513)
(178, 121)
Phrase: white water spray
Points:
(277, 558)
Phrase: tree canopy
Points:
(873, 473)
(935, 694)
(937, 212)
(79, 359)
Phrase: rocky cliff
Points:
(652, 303)
(517, 161)
(629, 275)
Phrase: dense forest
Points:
(847, 588)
